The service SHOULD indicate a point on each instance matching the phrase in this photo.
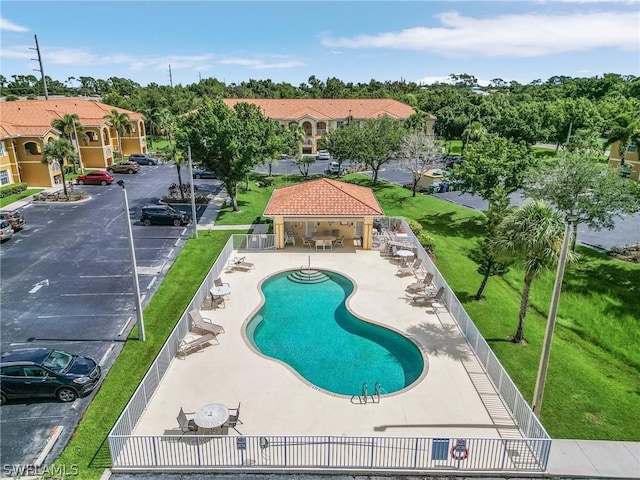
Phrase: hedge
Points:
(12, 189)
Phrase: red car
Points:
(99, 177)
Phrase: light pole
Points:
(551, 319)
(193, 197)
(134, 266)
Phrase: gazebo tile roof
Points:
(323, 197)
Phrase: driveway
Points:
(66, 283)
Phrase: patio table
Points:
(404, 255)
(220, 291)
(210, 418)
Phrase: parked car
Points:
(43, 372)
(334, 168)
(97, 177)
(199, 173)
(123, 167)
(163, 215)
(323, 155)
(452, 160)
(6, 232)
(14, 217)
(143, 159)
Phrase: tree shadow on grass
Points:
(450, 225)
(601, 275)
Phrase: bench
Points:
(189, 346)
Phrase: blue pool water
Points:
(309, 327)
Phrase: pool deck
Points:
(454, 398)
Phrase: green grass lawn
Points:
(593, 384)
(8, 200)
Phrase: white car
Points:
(6, 232)
(333, 167)
(323, 155)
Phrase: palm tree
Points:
(166, 123)
(624, 131)
(70, 127)
(531, 234)
(58, 151)
(475, 131)
(172, 152)
(121, 123)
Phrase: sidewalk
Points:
(594, 459)
(208, 219)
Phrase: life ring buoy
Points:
(456, 455)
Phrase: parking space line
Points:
(92, 294)
(124, 327)
(183, 231)
(103, 276)
(47, 448)
(153, 280)
(106, 354)
(177, 242)
(93, 314)
(170, 253)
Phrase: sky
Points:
(289, 41)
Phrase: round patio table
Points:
(220, 291)
(404, 255)
(210, 417)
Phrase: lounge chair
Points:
(185, 424)
(411, 269)
(307, 241)
(339, 242)
(192, 344)
(421, 285)
(200, 324)
(234, 418)
(429, 299)
(238, 263)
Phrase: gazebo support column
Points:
(367, 232)
(278, 230)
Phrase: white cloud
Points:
(522, 35)
(11, 27)
(16, 51)
(275, 61)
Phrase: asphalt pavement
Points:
(67, 284)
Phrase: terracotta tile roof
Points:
(327, 108)
(323, 197)
(33, 117)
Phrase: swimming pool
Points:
(309, 327)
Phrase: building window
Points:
(3, 149)
(632, 148)
(340, 124)
(32, 148)
(4, 177)
(90, 137)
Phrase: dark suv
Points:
(42, 372)
(163, 215)
(143, 159)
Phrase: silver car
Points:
(6, 232)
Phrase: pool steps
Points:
(306, 275)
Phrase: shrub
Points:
(427, 242)
(12, 189)
(415, 227)
(200, 199)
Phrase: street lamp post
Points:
(134, 266)
(551, 319)
(193, 197)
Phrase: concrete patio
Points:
(453, 398)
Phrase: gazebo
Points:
(323, 207)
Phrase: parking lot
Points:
(67, 284)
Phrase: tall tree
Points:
(228, 141)
(577, 186)
(121, 123)
(418, 153)
(494, 167)
(71, 128)
(531, 234)
(58, 151)
(624, 130)
(373, 143)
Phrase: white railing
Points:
(329, 452)
(344, 453)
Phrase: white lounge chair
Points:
(200, 324)
(411, 269)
